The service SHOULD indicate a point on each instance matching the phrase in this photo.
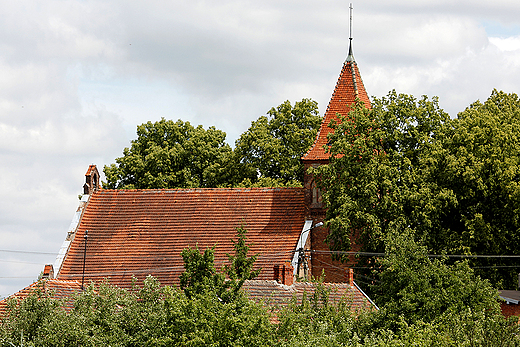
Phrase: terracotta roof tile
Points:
(142, 232)
(60, 289)
(274, 293)
(348, 88)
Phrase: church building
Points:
(127, 235)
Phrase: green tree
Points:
(168, 154)
(416, 288)
(240, 267)
(27, 319)
(272, 146)
(201, 276)
(373, 170)
(454, 182)
(478, 164)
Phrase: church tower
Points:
(349, 90)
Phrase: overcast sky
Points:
(77, 77)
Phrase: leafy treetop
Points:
(200, 275)
(453, 182)
(273, 145)
(168, 154)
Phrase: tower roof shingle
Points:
(349, 88)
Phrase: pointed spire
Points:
(349, 88)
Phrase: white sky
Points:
(77, 77)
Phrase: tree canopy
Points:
(201, 276)
(168, 154)
(406, 165)
(416, 288)
(428, 304)
(273, 145)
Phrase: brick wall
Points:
(509, 310)
(335, 271)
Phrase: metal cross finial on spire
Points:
(350, 54)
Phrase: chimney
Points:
(288, 274)
(48, 271)
(91, 180)
(284, 274)
(351, 277)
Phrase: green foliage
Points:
(200, 275)
(373, 167)
(151, 315)
(273, 145)
(478, 164)
(317, 322)
(169, 154)
(403, 175)
(240, 267)
(24, 320)
(453, 182)
(204, 320)
(413, 287)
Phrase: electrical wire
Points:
(372, 254)
(28, 252)
(19, 262)
(366, 254)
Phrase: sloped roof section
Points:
(274, 293)
(142, 232)
(56, 288)
(348, 89)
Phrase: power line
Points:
(356, 253)
(378, 254)
(20, 262)
(27, 252)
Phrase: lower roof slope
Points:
(274, 293)
(55, 288)
(142, 232)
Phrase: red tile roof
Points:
(274, 293)
(348, 88)
(142, 232)
(60, 289)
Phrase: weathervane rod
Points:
(350, 56)
(350, 31)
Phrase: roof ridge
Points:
(196, 189)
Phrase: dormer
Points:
(91, 180)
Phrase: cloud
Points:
(77, 77)
(508, 44)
